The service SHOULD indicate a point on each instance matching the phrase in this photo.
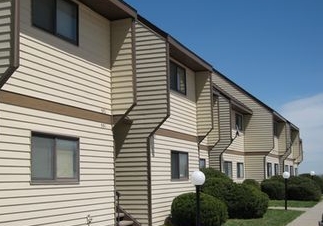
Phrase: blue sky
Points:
(273, 49)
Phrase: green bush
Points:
(318, 180)
(218, 187)
(242, 200)
(210, 173)
(303, 188)
(183, 210)
(245, 202)
(275, 189)
(252, 183)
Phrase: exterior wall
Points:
(22, 203)
(258, 134)
(122, 60)
(164, 190)
(183, 113)
(56, 70)
(9, 33)
(203, 104)
(214, 136)
(225, 133)
(56, 75)
(133, 179)
(235, 158)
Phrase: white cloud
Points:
(307, 114)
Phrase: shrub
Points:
(303, 188)
(183, 210)
(252, 183)
(273, 188)
(243, 201)
(218, 187)
(318, 180)
(210, 173)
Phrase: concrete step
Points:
(125, 223)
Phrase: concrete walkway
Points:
(311, 217)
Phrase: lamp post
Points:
(312, 173)
(286, 175)
(198, 179)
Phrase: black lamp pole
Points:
(198, 221)
(285, 194)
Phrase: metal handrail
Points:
(118, 205)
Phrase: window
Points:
(179, 165)
(177, 78)
(276, 169)
(291, 170)
(275, 129)
(54, 159)
(286, 168)
(59, 17)
(240, 170)
(238, 121)
(202, 163)
(269, 170)
(228, 168)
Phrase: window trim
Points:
(230, 163)
(238, 170)
(269, 172)
(55, 180)
(54, 22)
(176, 87)
(276, 169)
(171, 167)
(237, 125)
(203, 160)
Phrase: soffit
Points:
(111, 9)
(186, 57)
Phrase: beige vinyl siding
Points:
(282, 139)
(255, 167)
(238, 143)
(225, 132)
(203, 104)
(182, 115)
(258, 133)
(5, 36)
(287, 151)
(164, 190)
(204, 154)
(56, 70)
(24, 204)
(235, 159)
(132, 163)
(122, 57)
(214, 136)
(295, 145)
(276, 146)
(8, 39)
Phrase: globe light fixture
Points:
(312, 173)
(198, 179)
(286, 176)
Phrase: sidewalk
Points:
(311, 217)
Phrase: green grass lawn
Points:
(272, 217)
(292, 203)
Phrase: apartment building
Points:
(257, 142)
(95, 99)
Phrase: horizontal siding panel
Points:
(24, 204)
